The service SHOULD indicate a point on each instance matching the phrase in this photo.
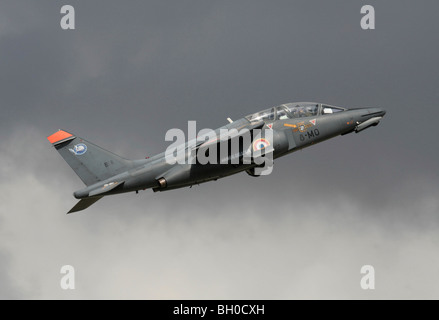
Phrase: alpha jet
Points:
(291, 127)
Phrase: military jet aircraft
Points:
(292, 126)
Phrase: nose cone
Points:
(373, 112)
(367, 117)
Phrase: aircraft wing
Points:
(219, 138)
(259, 145)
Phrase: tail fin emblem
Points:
(79, 149)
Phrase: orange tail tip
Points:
(59, 136)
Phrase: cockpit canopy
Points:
(293, 110)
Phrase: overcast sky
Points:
(132, 70)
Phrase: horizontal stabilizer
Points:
(84, 204)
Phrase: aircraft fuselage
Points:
(289, 135)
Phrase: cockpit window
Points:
(276, 113)
(266, 115)
(286, 111)
(331, 109)
(301, 110)
(283, 113)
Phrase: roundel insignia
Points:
(260, 144)
(79, 149)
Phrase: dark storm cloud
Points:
(130, 71)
